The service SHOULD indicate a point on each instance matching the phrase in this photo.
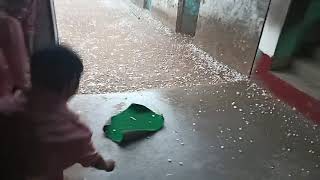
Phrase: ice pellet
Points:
(132, 118)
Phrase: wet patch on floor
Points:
(229, 131)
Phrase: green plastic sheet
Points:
(136, 118)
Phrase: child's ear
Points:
(70, 89)
(74, 85)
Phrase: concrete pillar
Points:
(188, 11)
(147, 4)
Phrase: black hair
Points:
(54, 68)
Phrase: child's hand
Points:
(12, 103)
(107, 165)
(110, 165)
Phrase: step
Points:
(307, 70)
(316, 54)
(309, 87)
(304, 75)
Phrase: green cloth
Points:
(136, 118)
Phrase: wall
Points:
(139, 3)
(274, 23)
(166, 11)
(45, 35)
(229, 30)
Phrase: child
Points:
(52, 136)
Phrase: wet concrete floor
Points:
(125, 49)
(231, 131)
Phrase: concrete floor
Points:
(230, 131)
(125, 49)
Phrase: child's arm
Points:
(75, 143)
(91, 158)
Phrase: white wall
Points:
(249, 13)
(166, 11)
(275, 21)
(230, 30)
(168, 6)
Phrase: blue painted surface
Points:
(190, 16)
(148, 4)
(192, 7)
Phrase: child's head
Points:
(57, 69)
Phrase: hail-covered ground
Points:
(125, 49)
